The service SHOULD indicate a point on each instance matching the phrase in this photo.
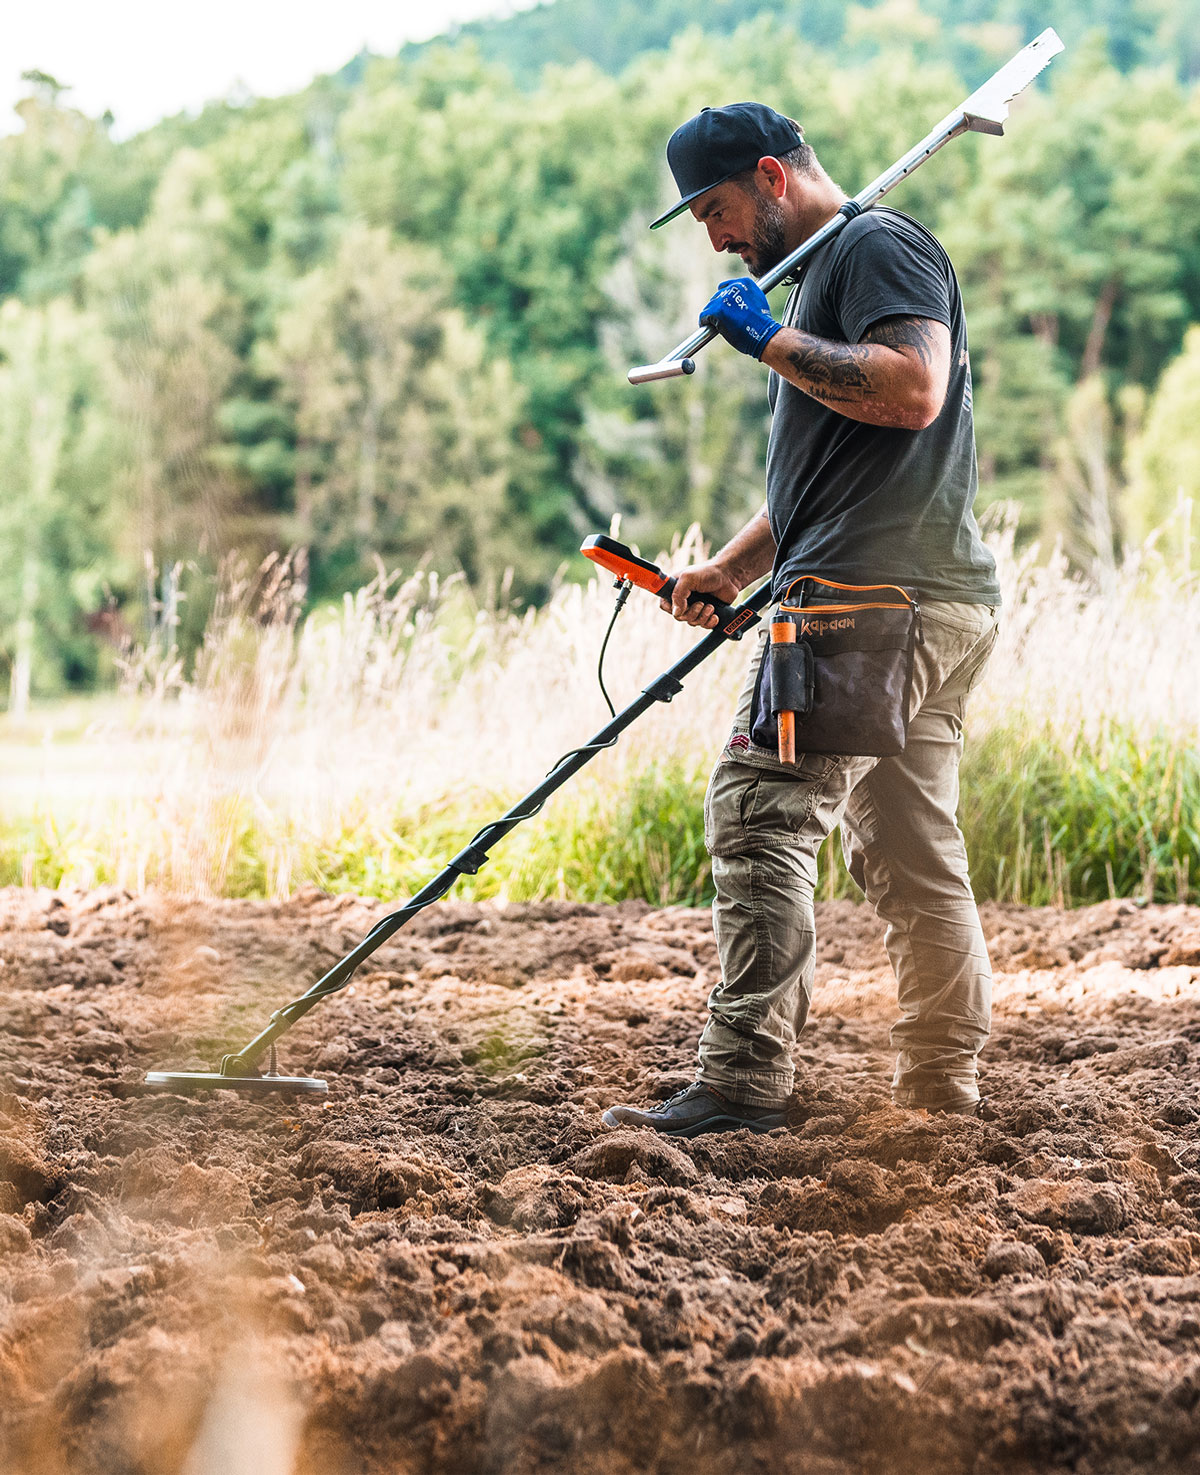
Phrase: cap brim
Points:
(673, 212)
(681, 205)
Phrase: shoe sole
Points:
(947, 1108)
(711, 1124)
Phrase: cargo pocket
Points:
(783, 803)
(981, 661)
(730, 798)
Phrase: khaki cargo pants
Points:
(765, 822)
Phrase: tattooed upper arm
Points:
(928, 339)
(925, 343)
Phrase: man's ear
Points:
(772, 176)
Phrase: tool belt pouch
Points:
(848, 674)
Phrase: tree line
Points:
(388, 318)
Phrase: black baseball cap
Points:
(720, 142)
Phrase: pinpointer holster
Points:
(792, 682)
(625, 566)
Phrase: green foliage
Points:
(1165, 463)
(1076, 244)
(1045, 823)
(404, 440)
(163, 297)
(595, 842)
(61, 178)
(1136, 32)
(390, 316)
(57, 452)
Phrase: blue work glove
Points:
(738, 311)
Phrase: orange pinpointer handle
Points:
(624, 564)
(783, 632)
(787, 737)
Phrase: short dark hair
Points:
(802, 159)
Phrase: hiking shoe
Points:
(696, 1109)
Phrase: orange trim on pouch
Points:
(835, 609)
(909, 602)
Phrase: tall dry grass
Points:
(358, 746)
(1082, 778)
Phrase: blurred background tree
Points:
(388, 317)
(1164, 457)
(58, 518)
(404, 444)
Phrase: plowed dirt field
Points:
(447, 1265)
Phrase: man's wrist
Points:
(738, 570)
(731, 571)
(774, 354)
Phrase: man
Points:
(871, 478)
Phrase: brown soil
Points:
(448, 1265)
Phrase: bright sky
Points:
(146, 59)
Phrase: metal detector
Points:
(984, 111)
(240, 1071)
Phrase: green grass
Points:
(594, 841)
(1046, 822)
(1114, 815)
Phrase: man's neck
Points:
(818, 208)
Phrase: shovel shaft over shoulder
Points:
(985, 111)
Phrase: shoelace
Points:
(680, 1094)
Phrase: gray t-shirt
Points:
(866, 504)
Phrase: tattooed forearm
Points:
(895, 377)
(919, 334)
(830, 369)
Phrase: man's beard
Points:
(767, 240)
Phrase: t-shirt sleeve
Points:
(886, 274)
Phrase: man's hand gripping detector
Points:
(626, 567)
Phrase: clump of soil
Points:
(449, 1266)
